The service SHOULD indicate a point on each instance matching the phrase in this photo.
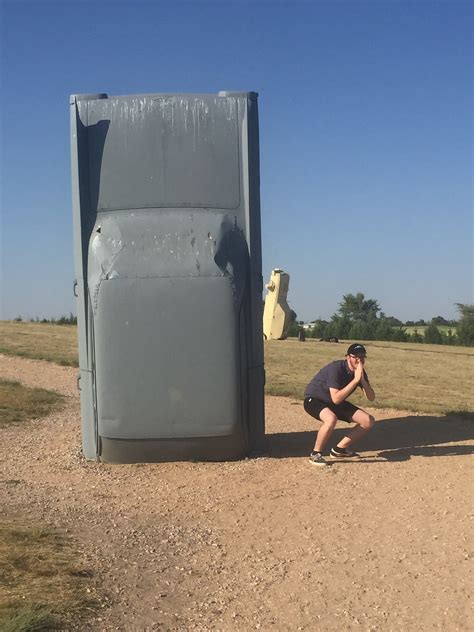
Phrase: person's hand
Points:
(359, 371)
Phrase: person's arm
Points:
(365, 386)
(339, 395)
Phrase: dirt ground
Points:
(273, 543)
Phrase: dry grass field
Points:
(271, 543)
(406, 376)
(416, 377)
(54, 343)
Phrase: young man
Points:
(325, 399)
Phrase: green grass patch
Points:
(54, 343)
(19, 403)
(44, 584)
(405, 376)
(420, 329)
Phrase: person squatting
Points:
(325, 399)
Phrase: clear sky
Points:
(366, 137)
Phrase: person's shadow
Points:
(395, 439)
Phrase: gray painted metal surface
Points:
(166, 208)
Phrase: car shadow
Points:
(396, 439)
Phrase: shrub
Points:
(433, 335)
(465, 326)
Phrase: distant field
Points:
(444, 329)
(406, 376)
(55, 343)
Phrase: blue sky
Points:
(366, 137)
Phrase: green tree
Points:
(433, 335)
(465, 326)
(319, 328)
(361, 330)
(294, 327)
(339, 326)
(450, 337)
(383, 330)
(356, 318)
(67, 320)
(440, 320)
(416, 336)
(399, 335)
(393, 322)
(358, 308)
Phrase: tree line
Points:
(359, 318)
(62, 320)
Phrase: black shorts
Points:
(343, 411)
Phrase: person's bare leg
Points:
(329, 420)
(364, 423)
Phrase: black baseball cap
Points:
(357, 350)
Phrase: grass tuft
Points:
(39, 355)
(19, 403)
(43, 586)
(31, 619)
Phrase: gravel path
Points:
(266, 544)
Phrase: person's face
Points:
(354, 361)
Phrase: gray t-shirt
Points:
(334, 375)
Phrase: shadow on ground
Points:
(395, 439)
